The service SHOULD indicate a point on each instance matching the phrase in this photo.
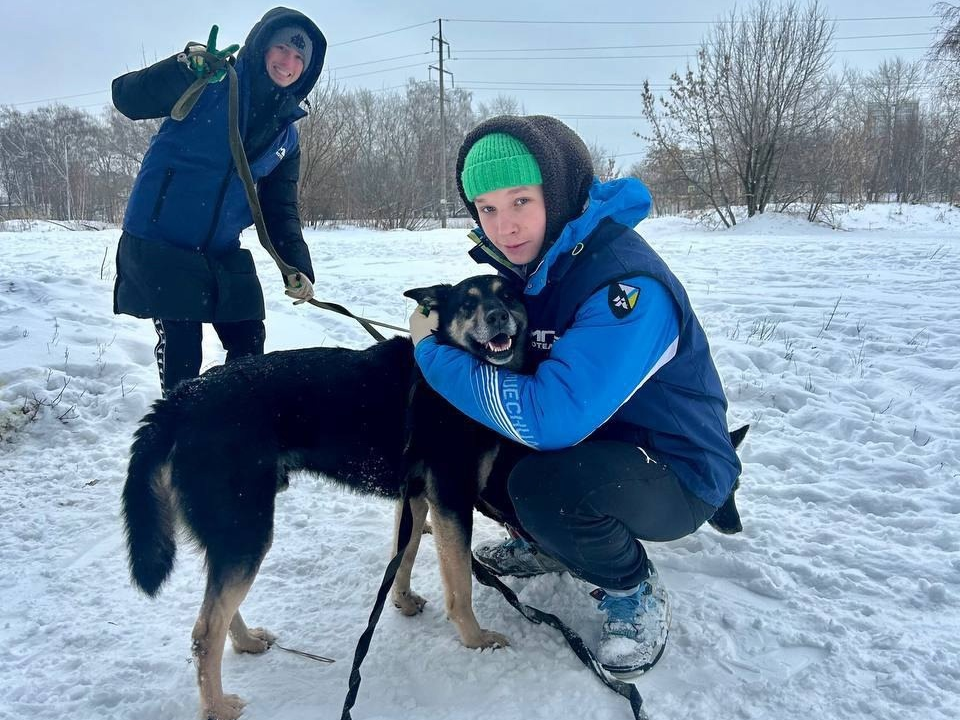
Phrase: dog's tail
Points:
(727, 517)
(148, 511)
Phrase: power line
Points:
(52, 99)
(629, 88)
(578, 84)
(376, 35)
(560, 89)
(373, 62)
(602, 117)
(668, 45)
(888, 49)
(578, 57)
(553, 57)
(375, 72)
(672, 22)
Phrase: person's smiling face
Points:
(284, 65)
(515, 221)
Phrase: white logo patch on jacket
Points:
(542, 339)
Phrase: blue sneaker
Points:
(516, 557)
(634, 634)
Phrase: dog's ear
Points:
(737, 436)
(429, 297)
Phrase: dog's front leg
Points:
(452, 534)
(404, 598)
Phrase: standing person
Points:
(621, 417)
(179, 260)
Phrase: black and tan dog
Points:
(215, 453)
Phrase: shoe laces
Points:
(626, 608)
(516, 544)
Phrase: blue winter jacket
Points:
(179, 256)
(618, 350)
(188, 192)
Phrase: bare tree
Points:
(671, 191)
(500, 105)
(687, 133)
(328, 141)
(757, 91)
(941, 146)
(947, 44)
(893, 129)
(943, 133)
(770, 67)
(604, 163)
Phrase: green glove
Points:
(201, 68)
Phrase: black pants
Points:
(179, 346)
(588, 506)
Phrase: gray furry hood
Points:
(273, 20)
(564, 161)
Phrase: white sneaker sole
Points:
(627, 673)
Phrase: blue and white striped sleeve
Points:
(593, 369)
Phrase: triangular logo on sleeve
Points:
(622, 299)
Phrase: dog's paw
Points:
(489, 639)
(230, 707)
(257, 640)
(408, 602)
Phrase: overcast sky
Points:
(69, 52)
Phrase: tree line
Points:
(758, 122)
(365, 156)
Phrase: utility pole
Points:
(66, 174)
(443, 123)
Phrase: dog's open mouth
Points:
(499, 348)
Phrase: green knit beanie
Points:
(498, 161)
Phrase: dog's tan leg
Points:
(453, 550)
(249, 640)
(408, 602)
(220, 604)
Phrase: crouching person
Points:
(620, 418)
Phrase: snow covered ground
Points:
(840, 600)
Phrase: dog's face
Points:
(482, 315)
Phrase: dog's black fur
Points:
(214, 454)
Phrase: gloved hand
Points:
(298, 287)
(423, 323)
(201, 68)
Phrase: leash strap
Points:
(363, 645)
(367, 324)
(188, 99)
(404, 533)
(627, 690)
(243, 170)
